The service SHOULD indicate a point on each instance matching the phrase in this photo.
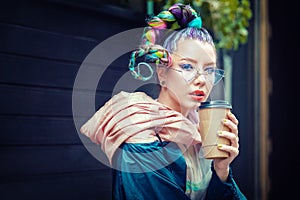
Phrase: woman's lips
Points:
(197, 95)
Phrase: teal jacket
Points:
(133, 178)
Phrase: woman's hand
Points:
(221, 165)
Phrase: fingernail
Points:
(224, 120)
(219, 132)
(220, 146)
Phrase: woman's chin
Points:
(194, 106)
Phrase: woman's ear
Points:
(161, 73)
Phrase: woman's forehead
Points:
(195, 49)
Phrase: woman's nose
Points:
(200, 79)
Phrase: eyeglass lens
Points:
(214, 76)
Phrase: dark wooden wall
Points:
(42, 46)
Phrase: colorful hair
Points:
(162, 34)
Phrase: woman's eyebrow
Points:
(185, 58)
(210, 63)
(188, 59)
(195, 61)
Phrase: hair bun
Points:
(184, 14)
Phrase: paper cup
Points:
(211, 114)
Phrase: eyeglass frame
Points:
(215, 70)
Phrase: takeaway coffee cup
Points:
(211, 114)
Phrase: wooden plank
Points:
(26, 131)
(33, 42)
(42, 101)
(133, 10)
(36, 160)
(21, 130)
(79, 185)
(39, 72)
(264, 81)
(49, 73)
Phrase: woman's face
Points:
(185, 90)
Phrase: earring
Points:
(163, 83)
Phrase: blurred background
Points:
(43, 44)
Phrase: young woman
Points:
(154, 145)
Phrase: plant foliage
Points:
(227, 20)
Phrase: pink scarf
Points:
(133, 118)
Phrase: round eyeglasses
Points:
(211, 74)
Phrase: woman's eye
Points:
(187, 67)
(209, 70)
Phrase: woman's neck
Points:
(168, 100)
